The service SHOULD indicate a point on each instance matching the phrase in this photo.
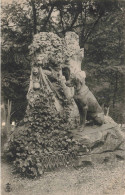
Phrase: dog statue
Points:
(89, 108)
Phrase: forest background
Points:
(100, 26)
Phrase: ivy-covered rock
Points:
(48, 47)
(43, 141)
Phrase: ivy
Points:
(44, 133)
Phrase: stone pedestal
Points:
(99, 144)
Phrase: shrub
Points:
(42, 140)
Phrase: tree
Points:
(80, 16)
(16, 36)
(104, 61)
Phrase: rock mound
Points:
(99, 144)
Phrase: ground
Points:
(101, 179)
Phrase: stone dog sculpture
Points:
(88, 107)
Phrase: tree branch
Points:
(73, 22)
(58, 33)
(46, 21)
(34, 17)
(61, 17)
(95, 23)
(78, 11)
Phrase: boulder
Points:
(103, 143)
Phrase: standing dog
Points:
(87, 104)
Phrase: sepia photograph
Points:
(62, 97)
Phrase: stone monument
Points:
(45, 138)
(51, 56)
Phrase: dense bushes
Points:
(42, 140)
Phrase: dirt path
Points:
(102, 179)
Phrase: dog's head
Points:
(76, 80)
(72, 81)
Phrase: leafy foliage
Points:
(48, 47)
(104, 62)
(43, 133)
(16, 36)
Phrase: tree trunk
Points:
(34, 17)
(115, 89)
